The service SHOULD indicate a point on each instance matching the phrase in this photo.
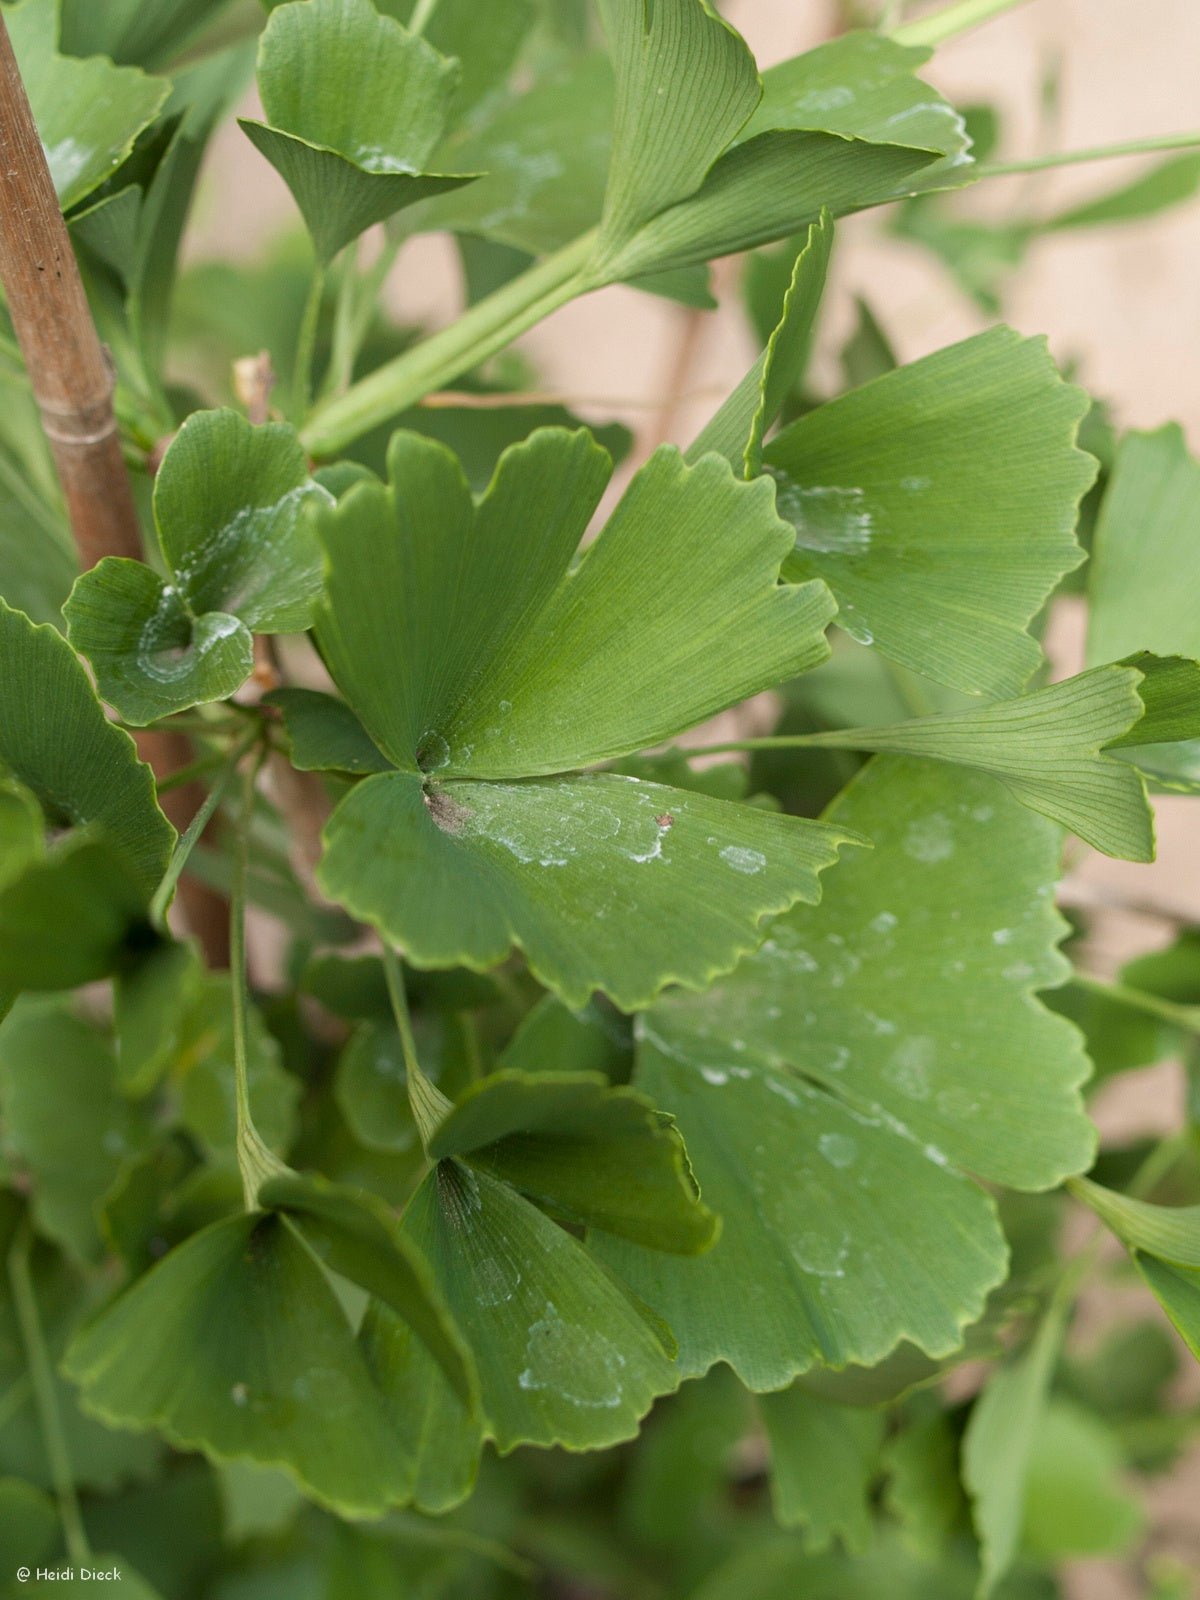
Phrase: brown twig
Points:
(73, 381)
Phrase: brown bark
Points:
(73, 381)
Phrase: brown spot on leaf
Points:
(666, 820)
(449, 814)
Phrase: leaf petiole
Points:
(1179, 1016)
(161, 902)
(306, 343)
(422, 15)
(256, 1162)
(482, 331)
(49, 1417)
(1104, 152)
(954, 19)
(430, 1107)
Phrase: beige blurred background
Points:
(1121, 305)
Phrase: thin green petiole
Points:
(430, 1106)
(957, 18)
(187, 841)
(422, 15)
(1103, 152)
(256, 1162)
(49, 1417)
(1179, 1016)
(306, 344)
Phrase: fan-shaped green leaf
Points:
(737, 430)
(141, 33)
(1171, 1233)
(685, 85)
(1144, 563)
(576, 872)
(229, 503)
(88, 113)
(766, 189)
(564, 1355)
(235, 1344)
(355, 106)
(998, 1449)
(66, 1125)
(939, 504)
(355, 1234)
(823, 1460)
(862, 86)
(590, 1154)
(444, 1437)
(78, 915)
(832, 1091)
(430, 597)
(28, 1523)
(150, 1000)
(1177, 1290)
(22, 830)
(324, 734)
(1047, 748)
(55, 738)
(1075, 1504)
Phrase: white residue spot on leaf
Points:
(839, 1149)
(578, 1365)
(909, 1065)
(743, 860)
(930, 839)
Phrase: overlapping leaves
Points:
(894, 1039)
(228, 502)
(487, 669)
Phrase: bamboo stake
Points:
(73, 382)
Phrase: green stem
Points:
(430, 1106)
(1101, 152)
(256, 1162)
(160, 905)
(422, 15)
(306, 343)
(49, 1417)
(1179, 1016)
(955, 19)
(483, 330)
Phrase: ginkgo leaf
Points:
(564, 1355)
(229, 502)
(150, 1000)
(685, 85)
(998, 1450)
(22, 830)
(78, 915)
(590, 1154)
(939, 504)
(324, 735)
(1047, 748)
(863, 86)
(1177, 1290)
(765, 190)
(235, 1344)
(355, 106)
(835, 1090)
(823, 1460)
(88, 113)
(354, 1233)
(55, 738)
(1172, 1233)
(443, 1436)
(704, 163)
(1075, 1503)
(430, 598)
(141, 33)
(66, 1125)
(737, 430)
(1144, 560)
